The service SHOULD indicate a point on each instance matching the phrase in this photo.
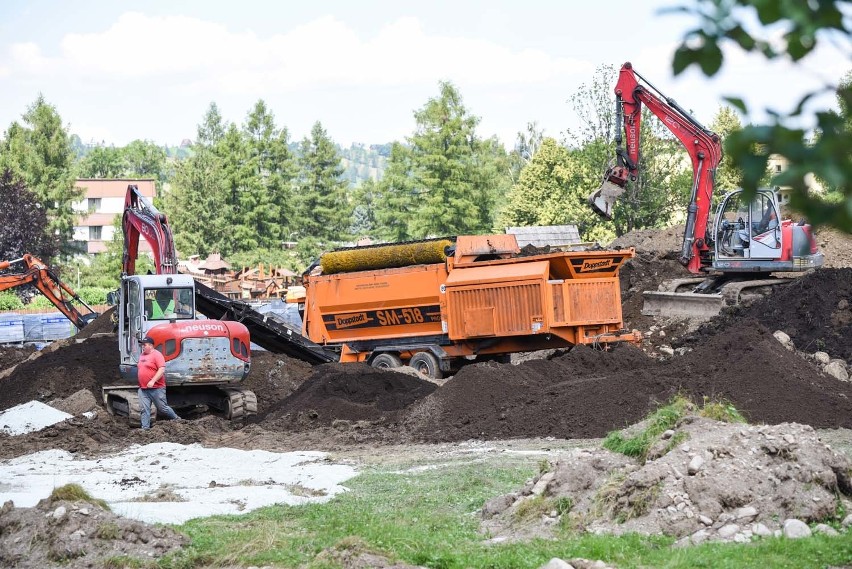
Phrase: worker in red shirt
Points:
(151, 372)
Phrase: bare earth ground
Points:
(543, 403)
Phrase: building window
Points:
(94, 205)
(778, 167)
(95, 232)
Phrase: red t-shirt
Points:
(148, 366)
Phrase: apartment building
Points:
(102, 201)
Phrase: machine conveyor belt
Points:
(265, 332)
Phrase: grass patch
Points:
(665, 418)
(124, 562)
(721, 410)
(108, 530)
(658, 422)
(75, 493)
(430, 518)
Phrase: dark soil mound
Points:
(62, 371)
(567, 397)
(815, 311)
(353, 392)
(103, 324)
(10, 355)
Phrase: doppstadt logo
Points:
(596, 265)
(350, 320)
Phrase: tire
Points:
(427, 364)
(386, 361)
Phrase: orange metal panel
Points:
(587, 302)
(503, 309)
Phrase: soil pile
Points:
(587, 394)
(351, 392)
(815, 311)
(11, 355)
(103, 324)
(836, 246)
(78, 535)
(705, 479)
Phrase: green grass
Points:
(75, 493)
(665, 418)
(658, 422)
(431, 518)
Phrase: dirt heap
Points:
(705, 479)
(103, 324)
(78, 535)
(815, 311)
(350, 392)
(587, 393)
(12, 355)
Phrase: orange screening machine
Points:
(476, 298)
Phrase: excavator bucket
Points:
(603, 199)
(681, 304)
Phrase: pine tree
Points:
(323, 210)
(395, 206)
(449, 199)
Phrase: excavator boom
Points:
(38, 274)
(748, 240)
(703, 146)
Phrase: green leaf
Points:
(683, 58)
(711, 59)
(737, 103)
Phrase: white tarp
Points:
(192, 481)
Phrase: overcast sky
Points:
(118, 70)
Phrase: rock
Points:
(557, 563)
(705, 520)
(59, 512)
(796, 529)
(822, 358)
(728, 531)
(668, 434)
(843, 304)
(784, 339)
(695, 465)
(699, 537)
(836, 370)
(747, 512)
(761, 530)
(826, 529)
(847, 521)
(542, 483)
(497, 505)
(666, 350)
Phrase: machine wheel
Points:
(239, 403)
(427, 364)
(386, 361)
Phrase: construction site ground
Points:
(547, 399)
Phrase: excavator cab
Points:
(749, 230)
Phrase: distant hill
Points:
(362, 162)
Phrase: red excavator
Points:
(205, 359)
(749, 239)
(38, 274)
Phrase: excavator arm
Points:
(45, 280)
(141, 218)
(703, 146)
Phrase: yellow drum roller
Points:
(385, 256)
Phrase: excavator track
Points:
(240, 403)
(124, 402)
